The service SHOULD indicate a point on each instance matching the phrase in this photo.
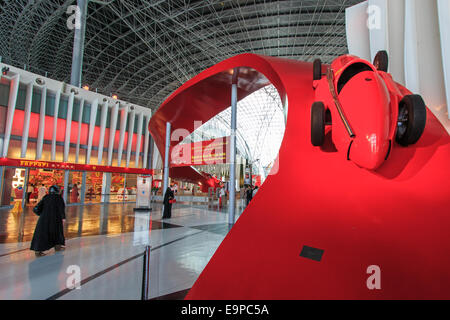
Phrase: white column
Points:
(78, 44)
(416, 34)
(139, 138)
(232, 201)
(357, 31)
(14, 89)
(396, 31)
(428, 64)
(94, 107)
(130, 135)
(66, 185)
(80, 121)
(40, 139)
(106, 187)
(26, 122)
(112, 131)
(68, 126)
(410, 54)
(167, 158)
(157, 158)
(55, 124)
(379, 38)
(123, 126)
(146, 141)
(444, 27)
(101, 142)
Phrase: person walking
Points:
(49, 231)
(168, 197)
(222, 198)
(74, 194)
(249, 194)
(30, 190)
(255, 190)
(42, 191)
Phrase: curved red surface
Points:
(395, 217)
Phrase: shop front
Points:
(29, 181)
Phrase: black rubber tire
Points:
(317, 124)
(381, 61)
(317, 69)
(410, 131)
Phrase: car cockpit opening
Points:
(351, 71)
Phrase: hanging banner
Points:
(18, 163)
(215, 151)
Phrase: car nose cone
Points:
(365, 101)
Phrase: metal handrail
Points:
(146, 274)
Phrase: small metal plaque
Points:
(312, 253)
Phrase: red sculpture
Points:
(320, 223)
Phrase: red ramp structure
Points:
(319, 224)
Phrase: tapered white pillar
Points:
(80, 121)
(146, 143)
(123, 125)
(68, 127)
(130, 135)
(55, 124)
(167, 157)
(94, 107)
(13, 91)
(112, 132)
(40, 139)
(26, 122)
(139, 140)
(232, 206)
(101, 142)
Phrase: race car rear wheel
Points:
(317, 69)
(412, 117)
(317, 124)
(381, 61)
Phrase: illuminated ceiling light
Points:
(115, 97)
(86, 87)
(40, 81)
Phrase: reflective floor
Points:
(105, 245)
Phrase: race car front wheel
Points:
(317, 124)
(317, 69)
(412, 117)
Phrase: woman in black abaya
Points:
(49, 230)
(169, 195)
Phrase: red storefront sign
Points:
(68, 166)
(214, 151)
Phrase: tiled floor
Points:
(106, 242)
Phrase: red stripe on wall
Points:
(18, 126)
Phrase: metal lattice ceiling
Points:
(144, 50)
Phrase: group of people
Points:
(39, 192)
(250, 192)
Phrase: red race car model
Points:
(365, 109)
